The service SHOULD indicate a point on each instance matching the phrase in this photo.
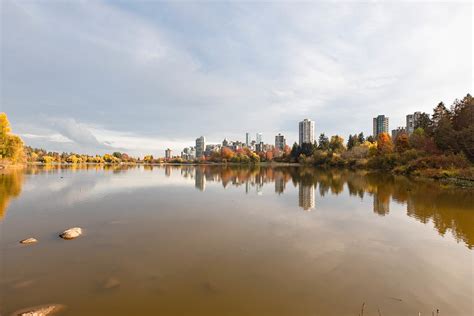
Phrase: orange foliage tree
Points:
(402, 143)
(384, 144)
(226, 153)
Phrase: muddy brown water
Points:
(184, 240)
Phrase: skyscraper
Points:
(306, 131)
(168, 154)
(280, 142)
(200, 146)
(247, 139)
(259, 138)
(380, 125)
(411, 121)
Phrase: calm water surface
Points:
(235, 241)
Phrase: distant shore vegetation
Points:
(442, 145)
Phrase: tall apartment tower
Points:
(247, 139)
(306, 131)
(200, 146)
(411, 121)
(168, 154)
(259, 138)
(280, 142)
(380, 125)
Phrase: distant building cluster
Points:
(202, 149)
(381, 125)
(306, 133)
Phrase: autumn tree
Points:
(4, 132)
(269, 155)
(11, 146)
(384, 144)
(227, 153)
(336, 144)
(146, 159)
(402, 142)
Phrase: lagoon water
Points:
(185, 240)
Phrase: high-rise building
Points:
(411, 122)
(306, 132)
(168, 154)
(247, 139)
(380, 125)
(200, 146)
(259, 138)
(280, 142)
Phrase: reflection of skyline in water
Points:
(449, 209)
(306, 197)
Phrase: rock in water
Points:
(71, 233)
(30, 240)
(111, 283)
(43, 310)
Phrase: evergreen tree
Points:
(424, 122)
(439, 112)
(295, 151)
(350, 142)
(323, 142)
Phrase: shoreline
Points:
(442, 176)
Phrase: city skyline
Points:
(140, 81)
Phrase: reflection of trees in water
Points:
(450, 209)
(10, 187)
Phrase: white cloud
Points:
(141, 80)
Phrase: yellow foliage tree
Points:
(11, 146)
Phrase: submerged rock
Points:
(23, 284)
(30, 240)
(43, 310)
(111, 283)
(71, 233)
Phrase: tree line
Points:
(441, 143)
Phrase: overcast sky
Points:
(95, 77)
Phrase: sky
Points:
(139, 77)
